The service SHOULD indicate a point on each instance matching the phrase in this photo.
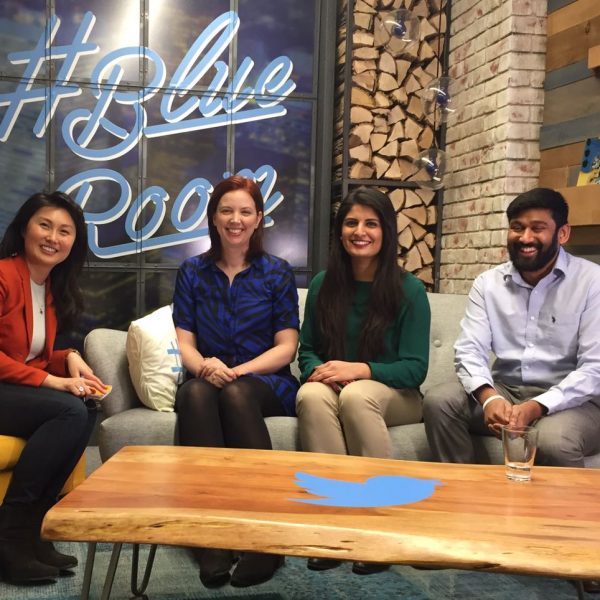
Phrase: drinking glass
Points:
(520, 444)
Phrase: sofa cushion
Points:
(447, 310)
(10, 451)
(154, 359)
(104, 351)
(136, 427)
(142, 427)
(283, 432)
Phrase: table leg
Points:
(135, 590)
(112, 569)
(580, 590)
(87, 574)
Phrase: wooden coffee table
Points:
(241, 499)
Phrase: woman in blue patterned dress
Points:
(236, 315)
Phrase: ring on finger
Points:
(80, 388)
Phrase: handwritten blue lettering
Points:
(221, 104)
(34, 59)
(218, 106)
(80, 186)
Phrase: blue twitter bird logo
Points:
(383, 490)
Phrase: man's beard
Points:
(536, 262)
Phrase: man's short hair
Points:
(540, 198)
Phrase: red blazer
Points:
(16, 328)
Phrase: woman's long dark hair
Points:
(335, 294)
(235, 182)
(68, 299)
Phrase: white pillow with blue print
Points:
(154, 359)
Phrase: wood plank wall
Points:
(572, 107)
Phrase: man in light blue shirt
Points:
(539, 315)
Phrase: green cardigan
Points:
(404, 361)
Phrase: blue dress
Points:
(238, 322)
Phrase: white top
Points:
(38, 301)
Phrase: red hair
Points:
(235, 182)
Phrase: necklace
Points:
(38, 297)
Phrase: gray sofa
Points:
(127, 422)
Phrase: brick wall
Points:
(497, 54)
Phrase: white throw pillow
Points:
(154, 359)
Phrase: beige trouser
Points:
(355, 421)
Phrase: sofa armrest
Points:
(104, 351)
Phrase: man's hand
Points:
(497, 414)
(525, 413)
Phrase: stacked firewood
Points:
(388, 127)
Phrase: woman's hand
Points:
(78, 386)
(78, 368)
(340, 371)
(220, 377)
(210, 366)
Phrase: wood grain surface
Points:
(572, 44)
(584, 208)
(554, 178)
(241, 499)
(562, 156)
(594, 57)
(568, 102)
(571, 15)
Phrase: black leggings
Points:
(57, 427)
(232, 416)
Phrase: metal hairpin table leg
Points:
(580, 591)
(112, 569)
(135, 590)
(89, 568)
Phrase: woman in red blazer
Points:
(42, 390)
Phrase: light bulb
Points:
(438, 99)
(432, 168)
(398, 29)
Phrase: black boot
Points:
(322, 564)
(44, 550)
(18, 562)
(368, 568)
(255, 568)
(215, 566)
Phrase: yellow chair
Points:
(10, 451)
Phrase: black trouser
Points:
(57, 427)
(232, 416)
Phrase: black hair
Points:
(386, 293)
(544, 198)
(64, 280)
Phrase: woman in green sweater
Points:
(364, 342)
